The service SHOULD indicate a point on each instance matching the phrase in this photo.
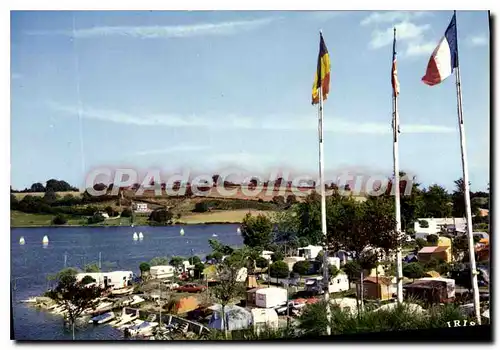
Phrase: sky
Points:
(217, 89)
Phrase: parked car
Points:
(191, 288)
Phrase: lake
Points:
(32, 262)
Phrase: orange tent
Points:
(186, 304)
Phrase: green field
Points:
(20, 219)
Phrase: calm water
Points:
(31, 263)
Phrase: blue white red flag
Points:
(444, 58)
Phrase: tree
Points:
(110, 211)
(262, 262)
(291, 200)
(176, 261)
(144, 267)
(59, 186)
(49, 196)
(309, 217)
(420, 243)
(277, 256)
(413, 270)
(423, 223)
(126, 213)
(37, 187)
(256, 230)
(159, 261)
(201, 207)
(161, 216)
(75, 297)
(91, 268)
(194, 260)
(198, 269)
(279, 269)
(302, 267)
(435, 203)
(228, 287)
(96, 218)
(279, 201)
(59, 219)
(333, 271)
(458, 199)
(87, 280)
(432, 239)
(217, 246)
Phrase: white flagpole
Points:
(326, 281)
(399, 266)
(468, 211)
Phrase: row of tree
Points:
(52, 184)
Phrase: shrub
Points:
(413, 270)
(126, 213)
(302, 267)
(261, 262)
(96, 218)
(59, 220)
(277, 256)
(279, 269)
(87, 280)
(201, 207)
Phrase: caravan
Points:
(113, 279)
(162, 272)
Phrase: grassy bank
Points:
(20, 219)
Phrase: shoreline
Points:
(100, 226)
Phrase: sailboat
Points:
(21, 241)
(45, 239)
(214, 235)
(238, 231)
(141, 236)
(182, 232)
(135, 237)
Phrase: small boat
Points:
(122, 291)
(125, 319)
(132, 225)
(45, 239)
(103, 318)
(142, 328)
(238, 230)
(135, 236)
(30, 300)
(214, 235)
(22, 241)
(141, 236)
(182, 232)
(136, 300)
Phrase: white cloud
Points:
(154, 32)
(392, 16)
(478, 40)
(173, 149)
(233, 122)
(418, 49)
(404, 31)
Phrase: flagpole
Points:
(468, 211)
(399, 266)
(326, 281)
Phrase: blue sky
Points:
(207, 90)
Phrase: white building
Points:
(264, 318)
(113, 279)
(310, 252)
(162, 272)
(436, 224)
(267, 254)
(141, 207)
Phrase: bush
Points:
(161, 216)
(96, 218)
(279, 269)
(261, 262)
(432, 239)
(201, 207)
(87, 280)
(302, 267)
(194, 260)
(59, 220)
(413, 270)
(420, 243)
(277, 256)
(126, 213)
(144, 267)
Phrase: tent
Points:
(237, 318)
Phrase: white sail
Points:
(45, 239)
(182, 232)
(21, 241)
(135, 237)
(238, 230)
(141, 236)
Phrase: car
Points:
(191, 288)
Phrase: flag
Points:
(394, 75)
(322, 77)
(444, 58)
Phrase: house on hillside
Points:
(140, 207)
(436, 252)
(436, 225)
(376, 288)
